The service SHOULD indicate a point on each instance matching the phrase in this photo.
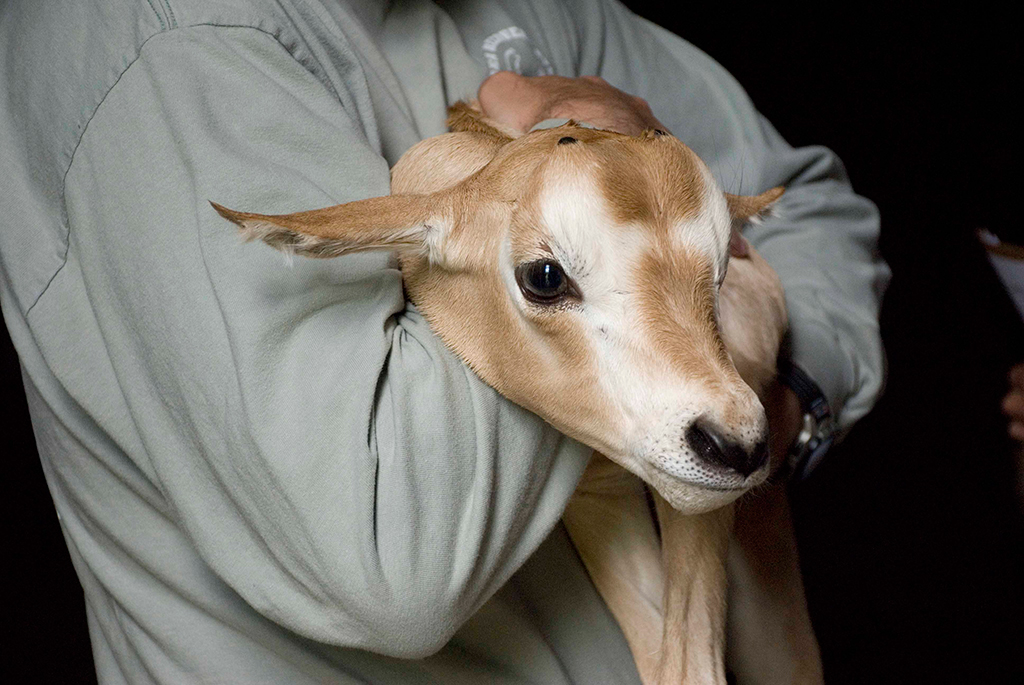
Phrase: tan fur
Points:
(611, 526)
(667, 595)
(628, 183)
(682, 320)
(766, 591)
(457, 199)
(364, 225)
(693, 550)
(753, 313)
(609, 522)
(743, 207)
(466, 116)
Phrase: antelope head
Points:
(577, 271)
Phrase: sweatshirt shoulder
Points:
(64, 55)
(59, 62)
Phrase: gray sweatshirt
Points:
(273, 473)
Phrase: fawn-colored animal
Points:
(586, 276)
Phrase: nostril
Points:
(711, 446)
(758, 457)
(706, 446)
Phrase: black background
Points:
(910, 535)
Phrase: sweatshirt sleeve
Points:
(822, 240)
(331, 461)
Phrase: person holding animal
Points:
(281, 474)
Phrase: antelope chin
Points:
(705, 493)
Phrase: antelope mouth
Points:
(692, 487)
(706, 478)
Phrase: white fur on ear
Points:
(434, 234)
(292, 242)
(287, 241)
(753, 209)
(737, 243)
(745, 210)
(772, 211)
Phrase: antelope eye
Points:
(542, 281)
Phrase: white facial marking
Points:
(655, 404)
(710, 230)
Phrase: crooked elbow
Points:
(414, 629)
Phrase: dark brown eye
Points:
(567, 140)
(542, 281)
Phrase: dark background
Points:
(910, 535)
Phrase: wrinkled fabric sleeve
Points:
(332, 462)
(822, 240)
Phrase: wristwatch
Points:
(818, 430)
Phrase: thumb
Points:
(509, 98)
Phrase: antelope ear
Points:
(414, 223)
(748, 208)
(468, 116)
(745, 208)
(443, 161)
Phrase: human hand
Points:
(1013, 403)
(524, 101)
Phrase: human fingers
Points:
(1013, 406)
(1017, 377)
(508, 98)
(522, 102)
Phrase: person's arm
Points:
(332, 462)
(823, 237)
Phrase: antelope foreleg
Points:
(771, 639)
(667, 595)
(693, 551)
(612, 528)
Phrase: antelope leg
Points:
(612, 528)
(770, 637)
(694, 549)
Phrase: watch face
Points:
(813, 458)
(810, 446)
(817, 432)
(807, 433)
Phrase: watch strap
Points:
(817, 432)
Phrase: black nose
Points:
(713, 447)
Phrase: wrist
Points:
(785, 419)
(816, 430)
